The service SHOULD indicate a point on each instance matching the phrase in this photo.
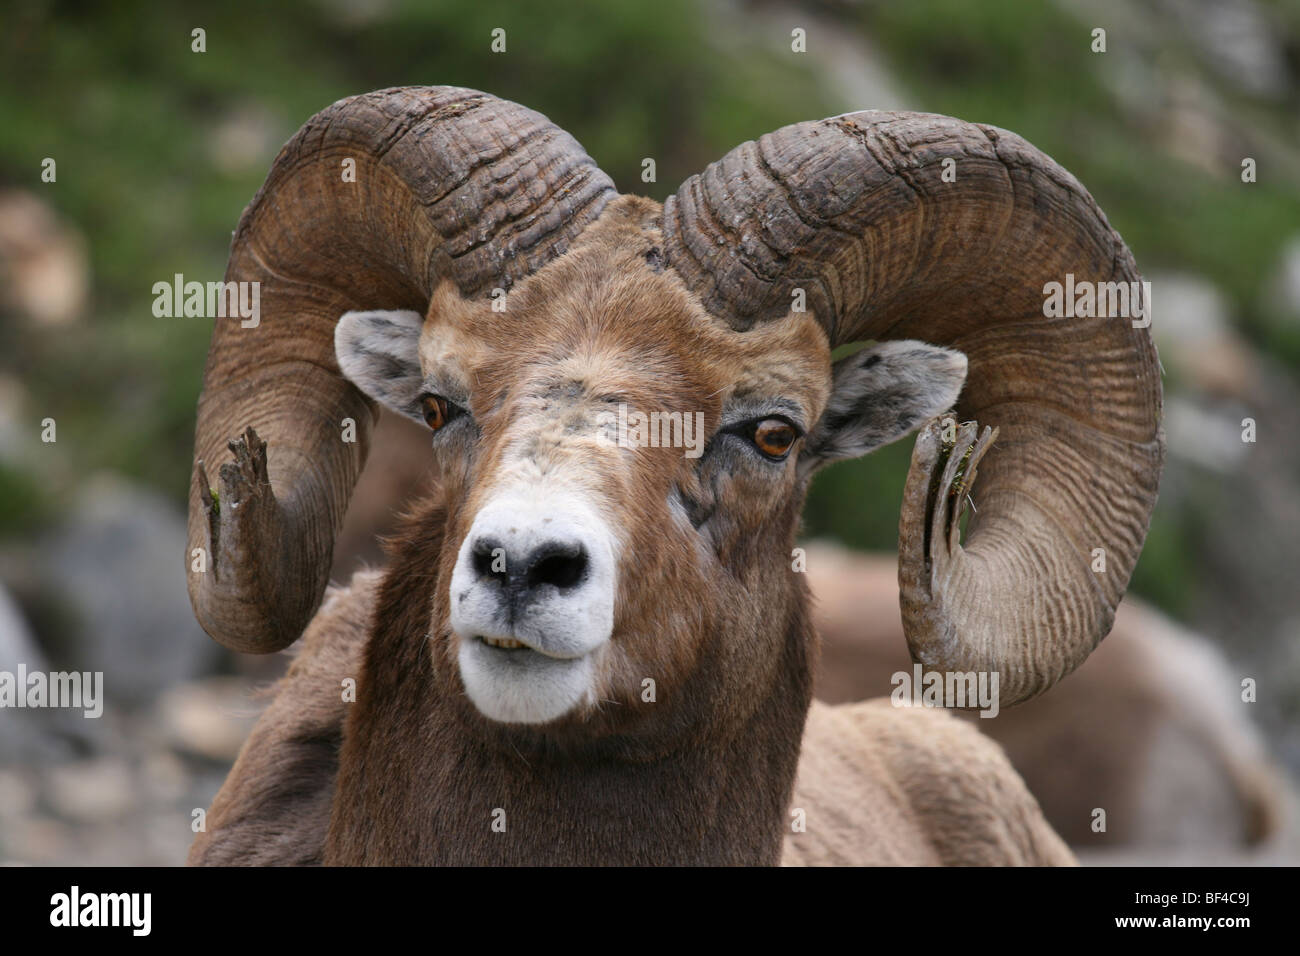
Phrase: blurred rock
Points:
(210, 718)
(17, 795)
(92, 791)
(117, 561)
(1190, 105)
(1209, 437)
(1192, 125)
(1279, 698)
(1194, 334)
(1240, 40)
(165, 777)
(1250, 523)
(22, 733)
(44, 270)
(16, 642)
(846, 63)
(244, 140)
(39, 841)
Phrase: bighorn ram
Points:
(590, 650)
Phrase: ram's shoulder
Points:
(336, 636)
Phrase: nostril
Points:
(561, 565)
(489, 559)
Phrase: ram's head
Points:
(552, 334)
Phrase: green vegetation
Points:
(1028, 67)
(159, 148)
(135, 121)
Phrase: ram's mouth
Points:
(519, 649)
(504, 643)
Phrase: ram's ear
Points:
(379, 354)
(880, 394)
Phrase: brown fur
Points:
(274, 807)
(707, 606)
(889, 786)
(400, 468)
(571, 793)
(878, 785)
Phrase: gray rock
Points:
(1192, 325)
(16, 642)
(23, 733)
(1207, 435)
(210, 718)
(118, 562)
(92, 791)
(1241, 40)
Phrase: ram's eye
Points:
(774, 437)
(438, 411)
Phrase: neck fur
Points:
(424, 780)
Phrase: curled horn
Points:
(912, 225)
(443, 184)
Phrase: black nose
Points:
(557, 563)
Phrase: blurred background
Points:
(158, 148)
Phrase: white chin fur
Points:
(523, 687)
(566, 626)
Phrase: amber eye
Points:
(437, 411)
(774, 437)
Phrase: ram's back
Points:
(892, 786)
